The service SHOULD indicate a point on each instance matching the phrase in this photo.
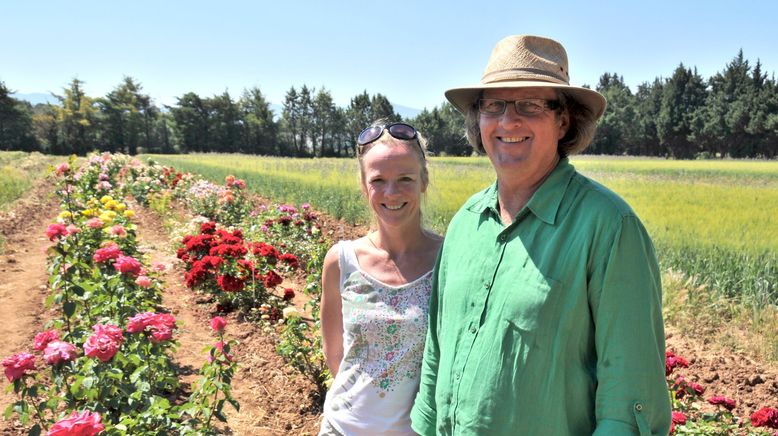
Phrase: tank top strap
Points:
(347, 261)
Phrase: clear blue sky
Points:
(410, 51)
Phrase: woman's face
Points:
(392, 182)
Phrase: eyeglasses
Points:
(402, 131)
(528, 107)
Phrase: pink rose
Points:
(127, 265)
(218, 323)
(143, 281)
(57, 352)
(95, 223)
(17, 365)
(103, 186)
(55, 231)
(158, 267)
(139, 322)
(118, 230)
(160, 334)
(43, 338)
(160, 324)
(101, 346)
(85, 423)
(109, 330)
(73, 229)
(62, 168)
(110, 251)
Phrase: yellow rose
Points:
(120, 207)
(64, 214)
(106, 199)
(129, 214)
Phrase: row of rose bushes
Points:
(124, 382)
(237, 253)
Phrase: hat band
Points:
(522, 74)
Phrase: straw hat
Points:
(524, 61)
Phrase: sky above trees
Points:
(410, 51)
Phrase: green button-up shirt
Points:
(549, 326)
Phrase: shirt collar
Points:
(544, 203)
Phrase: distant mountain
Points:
(405, 111)
(36, 98)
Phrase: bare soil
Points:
(274, 398)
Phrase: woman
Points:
(376, 291)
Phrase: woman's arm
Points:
(331, 311)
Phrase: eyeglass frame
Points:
(552, 105)
(385, 128)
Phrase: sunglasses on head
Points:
(401, 131)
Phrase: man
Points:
(545, 315)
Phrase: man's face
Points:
(522, 148)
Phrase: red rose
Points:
(679, 418)
(290, 259)
(272, 279)
(672, 361)
(288, 294)
(765, 417)
(230, 283)
(208, 228)
(720, 400)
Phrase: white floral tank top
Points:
(384, 328)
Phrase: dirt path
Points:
(23, 276)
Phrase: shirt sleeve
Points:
(625, 295)
(424, 412)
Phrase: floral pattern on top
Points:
(386, 327)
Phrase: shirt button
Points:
(457, 376)
(487, 286)
(472, 330)
(502, 238)
(638, 407)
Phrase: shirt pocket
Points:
(530, 303)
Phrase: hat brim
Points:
(462, 98)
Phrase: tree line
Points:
(734, 113)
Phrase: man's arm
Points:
(625, 297)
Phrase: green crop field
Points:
(18, 170)
(712, 220)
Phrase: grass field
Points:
(712, 220)
(18, 171)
